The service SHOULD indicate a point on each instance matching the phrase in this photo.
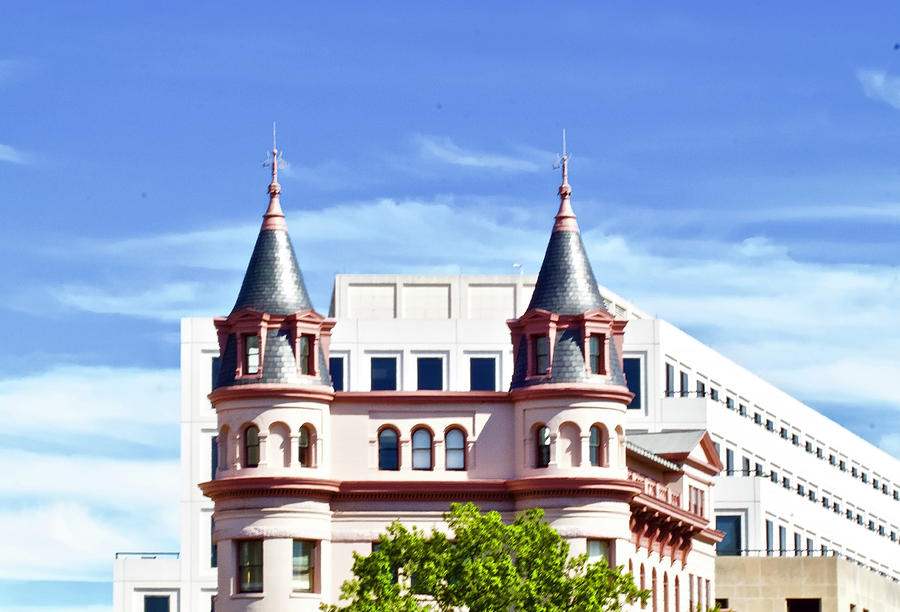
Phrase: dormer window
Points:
(595, 356)
(306, 353)
(251, 354)
(541, 354)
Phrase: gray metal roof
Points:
(568, 364)
(640, 450)
(273, 282)
(278, 364)
(566, 283)
(668, 442)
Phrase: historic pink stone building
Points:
(307, 475)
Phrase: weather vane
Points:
(562, 161)
(274, 158)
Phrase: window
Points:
(483, 374)
(896, 494)
(304, 561)
(214, 456)
(303, 457)
(595, 361)
(597, 549)
(156, 603)
(893, 536)
(251, 354)
(336, 369)
(773, 476)
(798, 544)
(770, 425)
(729, 462)
(251, 446)
(770, 537)
(388, 450)
(810, 547)
(874, 483)
(729, 403)
(429, 373)
(805, 604)
(696, 500)
(826, 502)
(384, 373)
(421, 445)
(250, 566)
(745, 466)
(757, 418)
(670, 380)
(599, 442)
(801, 490)
(832, 459)
(213, 547)
(782, 541)
(216, 365)
(701, 389)
(795, 439)
(809, 447)
(881, 530)
(842, 465)
(632, 367)
(731, 543)
(837, 507)
(541, 354)
(306, 353)
(849, 514)
(714, 394)
(542, 443)
(455, 445)
(786, 482)
(884, 489)
(784, 433)
(759, 469)
(742, 410)
(820, 453)
(812, 495)
(685, 391)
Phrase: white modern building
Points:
(795, 484)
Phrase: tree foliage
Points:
(485, 566)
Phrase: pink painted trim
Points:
(418, 397)
(566, 390)
(311, 392)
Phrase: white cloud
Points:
(879, 85)
(9, 154)
(890, 443)
(445, 150)
(168, 301)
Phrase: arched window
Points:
(304, 457)
(421, 449)
(542, 444)
(653, 590)
(643, 584)
(677, 595)
(388, 450)
(599, 446)
(251, 446)
(455, 444)
(665, 592)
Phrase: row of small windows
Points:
(801, 490)
(769, 424)
(422, 449)
(250, 448)
(697, 599)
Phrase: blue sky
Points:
(736, 172)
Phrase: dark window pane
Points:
(729, 462)
(384, 373)
(250, 566)
(685, 391)
(251, 447)
(214, 456)
(430, 373)
(770, 537)
(303, 447)
(213, 547)
(216, 364)
(632, 366)
(731, 543)
(336, 369)
(482, 374)
(596, 357)
(543, 447)
(388, 450)
(541, 354)
(156, 603)
(306, 342)
(455, 445)
(251, 354)
(670, 380)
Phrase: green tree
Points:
(486, 566)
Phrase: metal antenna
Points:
(562, 161)
(274, 158)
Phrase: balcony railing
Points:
(655, 489)
(147, 555)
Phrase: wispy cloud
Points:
(444, 150)
(167, 301)
(879, 85)
(9, 154)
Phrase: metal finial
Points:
(562, 161)
(275, 147)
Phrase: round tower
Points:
(569, 394)
(272, 399)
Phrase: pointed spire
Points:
(274, 217)
(565, 217)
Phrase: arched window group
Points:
(422, 449)
(569, 449)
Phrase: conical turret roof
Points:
(273, 282)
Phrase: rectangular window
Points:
(483, 374)
(770, 425)
(809, 447)
(842, 465)
(786, 482)
(798, 544)
(810, 547)
(854, 472)
(795, 439)
(250, 566)
(251, 354)
(696, 500)
(759, 469)
(685, 390)
(731, 543)
(597, 549)
(773, 476)
(429, 374)
(306, 354)
(729, 462)
(213, 547)
(156, 603)
(670, 380)
(832, 459)
(812, 495)
(745, 466)
(782, 541)
(216, 365)
(784, 433)
(729, 403)
(865, 478)
(632, 366)
(701, 389)
(757, 418)
(801, 490)
(820, 453)
(336, 369)
(770, 537)
(884, 489)
(742, 410)
(304, 561)
(714, 394)
(826, 502)
(837, 507)
(384, 373)
(214, 456)
(541, 354)
(596, 342)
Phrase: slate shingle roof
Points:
(278, 366)
(273, 282)
(566, 283)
